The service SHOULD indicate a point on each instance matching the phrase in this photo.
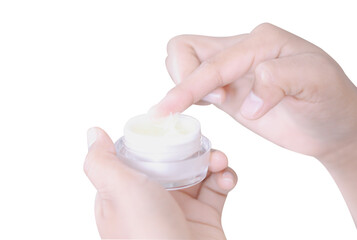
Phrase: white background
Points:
(66, 66)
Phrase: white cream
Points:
(169, 150)
(171, 138)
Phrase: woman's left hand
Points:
(129, 205)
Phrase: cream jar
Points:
(170, 150)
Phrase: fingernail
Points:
(91, 136)
(228, 177)
(214, 98)
(251, 105)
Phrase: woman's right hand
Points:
(280, 86)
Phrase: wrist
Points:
(340, 158)
(342, 166)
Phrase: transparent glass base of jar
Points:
(171, 174)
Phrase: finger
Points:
(217, 71)
(202, 103)
(216, 97)
(181, 61)
(206, 78)
(100, 149)
(215, 188)
(223, 68)
(295, 76)
(186, 52)
(97, 138)
(103, 168)
(218, 161)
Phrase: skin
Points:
(130, 206)
(277, 84)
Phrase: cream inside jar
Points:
(170, 150)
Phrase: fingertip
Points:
(218, 161)
(97, 136)
(251, 106)
(227, 179)
(154, 111)
(172, 103)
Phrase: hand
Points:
(129, 205)
(273, 82)
(278, 85)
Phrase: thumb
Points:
(294, 76)
(127, 204)
(103, 168)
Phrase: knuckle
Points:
(263, 73)
(177, 41)
(211, 65)
(89, 162)
(267, 77)
(332, 69)
(264, 27)
(94, 161)
(269, 31)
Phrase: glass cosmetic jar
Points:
(171, 150)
